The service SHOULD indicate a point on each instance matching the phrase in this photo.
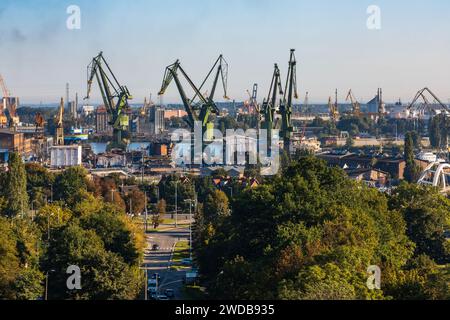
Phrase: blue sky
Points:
(38, 54)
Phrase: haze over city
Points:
(334, 47)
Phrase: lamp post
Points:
(176, 204)
(146, 284)
(146, 213)
(191, 202)
(46, 283)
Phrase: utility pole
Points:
(146, 284)
(46, 286)
(146, 213)
(142, 150)
(176, 204)
(190, 230)
(191, 202)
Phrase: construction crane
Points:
(115, 96)
(290, 92)
(332, 107)
(8, 104)
(59, 124)
(356, 107)
(251, 103)
(269, 105)
(5, 101)
(201, 110)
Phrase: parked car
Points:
(162, 297)
(156, 247)
(186, 262)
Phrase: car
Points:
(162, 297)
(186, 261)
(155, 247)
(170, 293)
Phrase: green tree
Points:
(69, 184)
(182, 187)
(116, 230)
(411, 170)
(309, 233)
(104, 274)
(16, 186)
(216, 205)
(427, 215)
(20, 277)
(9, 259)
(39, 180)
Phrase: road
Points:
(159, 261)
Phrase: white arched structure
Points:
(437, 174)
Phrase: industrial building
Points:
(65, 156)
(157, 120)
(15, 142)
(102, 121)
(169, 114)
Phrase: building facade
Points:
(102, 121)
(157, 120)
(65, 156)
(15, 142)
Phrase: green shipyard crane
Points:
(290, 92)
(115, 96)
(222, 72)
(269, 105)
(202, 109)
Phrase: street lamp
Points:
(46, 283)
(146, 213)
(176, 204)
(191, 202)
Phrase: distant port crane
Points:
(59, 124)
(8, 104)
(356, 106)
(271, 103)
(286, 106)
(421, 103)
(200, 106)
(115, 96)
(333, 109)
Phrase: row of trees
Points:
(311, 233)
(70, 224)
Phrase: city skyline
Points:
(334, 47)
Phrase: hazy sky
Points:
(140, 37)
